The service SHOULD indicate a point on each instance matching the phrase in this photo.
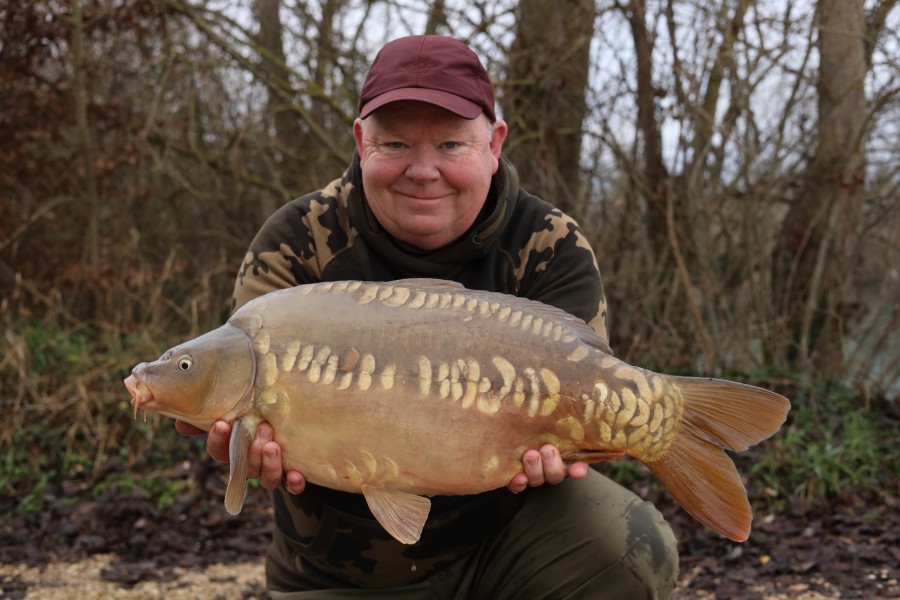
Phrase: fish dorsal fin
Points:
(425, 282)
(402, 514)
(590, 337)
(238, 449)
(581, 329)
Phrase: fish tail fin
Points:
(718, 415)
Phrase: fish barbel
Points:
(414, 388)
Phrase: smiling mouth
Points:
(418, 198)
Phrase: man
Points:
(429, 194)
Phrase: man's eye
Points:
(395, 145)
(451, 145)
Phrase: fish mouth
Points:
(141, 396)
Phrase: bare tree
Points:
(437, 18)
(735, 163)
(92, 237)
(543, 97)
(277, 76)
(654, 184)
(819, 243)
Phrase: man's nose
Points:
(423, 165)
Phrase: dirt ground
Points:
(115, 547)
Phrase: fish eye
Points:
(185, 363)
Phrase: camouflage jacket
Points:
(519, 245)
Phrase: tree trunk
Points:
(288, 133)
(437, 18)
(822, 222)
(92, 237)
(544, 98)
(656, 189)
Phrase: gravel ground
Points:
(122, 546)
(89, 579)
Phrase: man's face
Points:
(426, 171)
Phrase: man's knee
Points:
(651, 552)
(590, 538)
(634, 548)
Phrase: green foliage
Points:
(68, 415)
(830, 447)
(161, 487)
(24, 473)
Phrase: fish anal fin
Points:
(238, 449)
(705, 483)
(591, 456)
(402, 514)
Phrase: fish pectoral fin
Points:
(402, 514)
(591, 456)
(238, 449)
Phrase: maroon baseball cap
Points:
(436, 69)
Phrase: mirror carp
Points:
(413, 388)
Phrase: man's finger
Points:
(217, 441)
(534, 470)
(578, 470)
(553, 466)
(270, 474)
(187, 429)
(518, 483)
(295, 482)
(264, 435)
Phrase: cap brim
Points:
(452, 102)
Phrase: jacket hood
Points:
(476, 242)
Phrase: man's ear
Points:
(498, 136)
(358, 136)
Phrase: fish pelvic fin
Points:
(242, 435)
(402, 514)
(718, 415)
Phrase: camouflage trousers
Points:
(590, 538)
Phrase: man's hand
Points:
(546, 466)
(263, 458)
